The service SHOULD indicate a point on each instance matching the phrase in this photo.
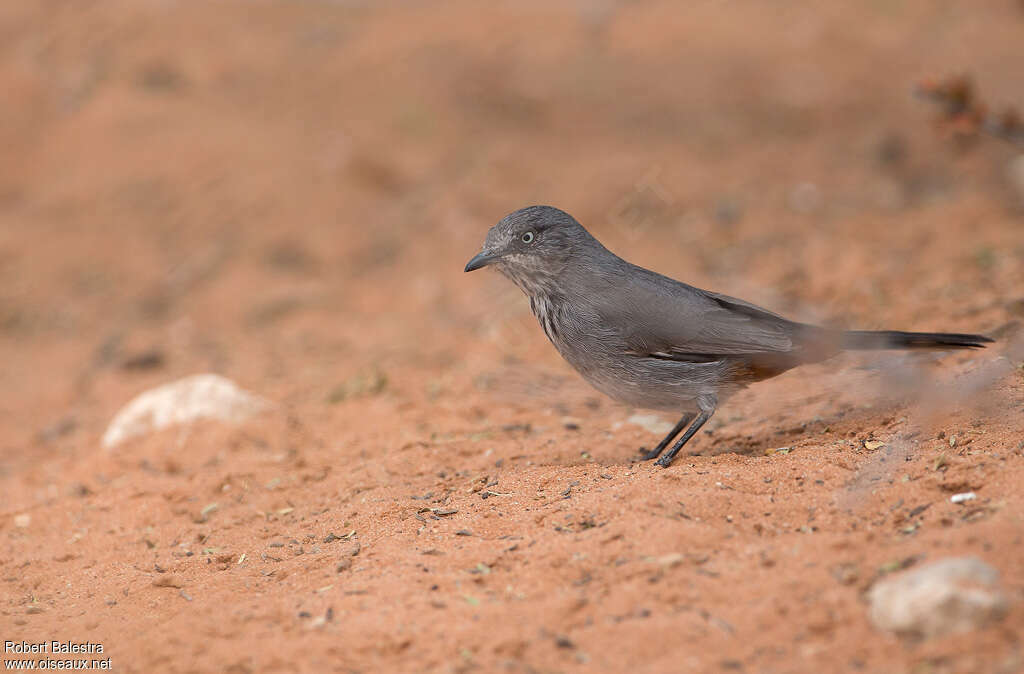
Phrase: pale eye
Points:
(528, 237)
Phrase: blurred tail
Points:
(893, 339)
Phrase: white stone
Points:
(957, 594)
(201, 396)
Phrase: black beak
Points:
(480, 260)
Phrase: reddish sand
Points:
(285, 193)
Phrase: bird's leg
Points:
(653, 454)
(707, 408)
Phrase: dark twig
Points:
(965, 115)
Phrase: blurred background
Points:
(286, 192)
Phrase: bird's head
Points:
(533, 245)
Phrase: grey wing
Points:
(659, 317)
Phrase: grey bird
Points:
(650, 341)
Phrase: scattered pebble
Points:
(205, 513)
(201, 396)
(956, 594)
(671, 560)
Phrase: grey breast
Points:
(603, 358)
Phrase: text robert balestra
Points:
(52, 647)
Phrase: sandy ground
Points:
(285, 193)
